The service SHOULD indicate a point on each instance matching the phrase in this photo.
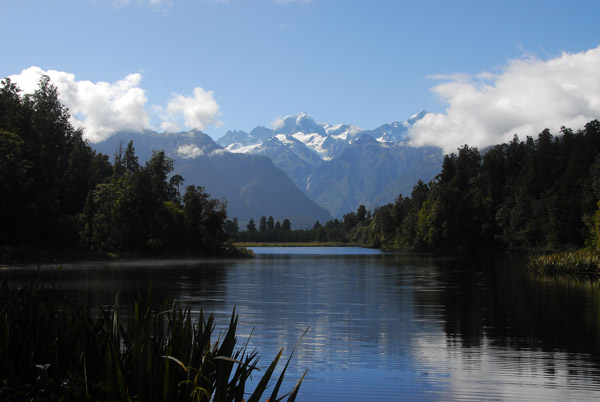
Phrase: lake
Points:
(383, 327)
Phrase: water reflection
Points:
(388, 327)
(97, 284)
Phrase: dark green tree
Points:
(262, 224)
(286, 224)
(231, 227)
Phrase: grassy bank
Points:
(54, 350)
(582, 261)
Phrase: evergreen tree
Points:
(286, 224)
(262, 224)
(270, 223)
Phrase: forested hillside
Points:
(538, 194)
(59, 195)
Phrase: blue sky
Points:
(223, 65)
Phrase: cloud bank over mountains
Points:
(528, 96)
(103, 109)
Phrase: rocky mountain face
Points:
(342, 166)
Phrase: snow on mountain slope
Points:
(344, 132)
(315, 142)
(325, 140)
(301, 123)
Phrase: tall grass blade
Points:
(115, 323)
(224, 367)
(280, 380)
(264, 381)
(117, 373)
(294, 392)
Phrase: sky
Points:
(485, 70)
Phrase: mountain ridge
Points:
(312, 153)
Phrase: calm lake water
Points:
(384, 327)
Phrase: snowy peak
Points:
(261, 134)
(301, 123)
(235, 139)
(416, 117)
(345, 132)
(325, 140)
(395, 131)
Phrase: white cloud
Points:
(100, 108)
(277, 122)
(197, 111)
(103, 108)
(528, 96)
(189, 151)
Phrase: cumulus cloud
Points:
(103, 108)
(527, 96)
(197, 111)
(100, 108)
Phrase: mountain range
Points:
(341, 166)
(300, 169)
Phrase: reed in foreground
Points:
(54, 350)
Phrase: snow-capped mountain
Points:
(325, 140)
(395, 132)
(301, 123)
(341, 166)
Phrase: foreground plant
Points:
(54, 350)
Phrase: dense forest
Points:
(534, 195)
(59, 195)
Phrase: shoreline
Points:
(295, 244)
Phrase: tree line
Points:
(59, 194)
(534, 195)
(347, 230)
